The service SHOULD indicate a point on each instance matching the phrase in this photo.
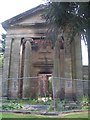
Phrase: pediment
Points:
(33, 19)
(29, 17)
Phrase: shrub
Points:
(11, 106)
(60, 105)
(84, 102)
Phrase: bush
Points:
(11, 106)
(84, 102)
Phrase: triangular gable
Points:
(6, 24)
(35, 18)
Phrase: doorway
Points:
(45, 84)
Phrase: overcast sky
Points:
(11, 8)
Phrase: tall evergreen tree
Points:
(72, 14)
(3, 40)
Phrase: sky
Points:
(11, 8)
(84, 53)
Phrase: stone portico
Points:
(29, 54)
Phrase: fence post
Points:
(53, 89)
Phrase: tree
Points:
(3, 42)
(72, 14)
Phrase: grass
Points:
(77, 115)
(18, 115)
(14, 115)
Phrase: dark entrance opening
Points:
(45, 84)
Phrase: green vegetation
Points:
(18, 104)
(3, 42)
(75, 115)
(11, 106)
(84, 102)
(65, 105)
(1, 60)
(21, 115)
(14, 115)
(30, 101)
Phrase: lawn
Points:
(18, 115)
(77, 115)
(14, 115)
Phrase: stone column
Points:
(56, 69)
(6, 66)
(62, 67)
(27, 70)
(77, 85)
(14, 67)
(59, 82)
(68, 70)
(11, 65)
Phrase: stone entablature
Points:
(29, 53)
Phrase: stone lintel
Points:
(24, 35)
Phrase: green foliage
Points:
(77, 115)
(68, 14)
(1, 60)
(60, 105)
(50, 108)
(29, 101)
(3, 42)
(50, 86)
(11, 106)
(84, 102)
(3, 36)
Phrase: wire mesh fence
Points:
(42, 85)
(39, 93)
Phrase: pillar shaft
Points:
(6, 66)
(76, 56)
(11, 65)
(59, 83)
(27, 70)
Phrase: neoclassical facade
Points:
(30, 58)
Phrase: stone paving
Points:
(35, 107)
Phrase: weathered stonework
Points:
(29, 54)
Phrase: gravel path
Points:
(35, 107)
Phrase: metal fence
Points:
(37, 90)
(42, 86)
